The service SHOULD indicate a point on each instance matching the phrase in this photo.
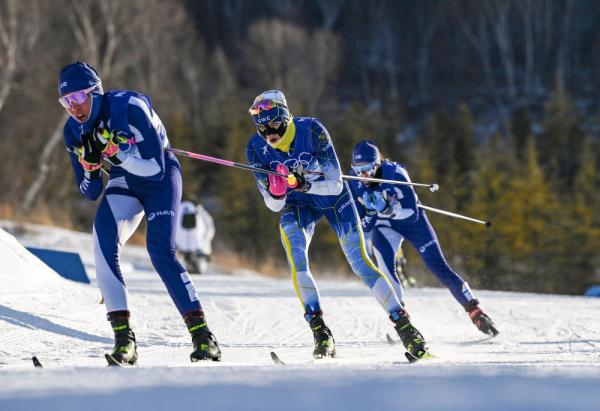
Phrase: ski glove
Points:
(300, 184)
(375, 202)
(277, 185)
(108, 143)
(88, 154)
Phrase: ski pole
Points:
(291, 178)
(487, 224)
(222, 162)
(432, 187)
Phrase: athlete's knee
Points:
(161, 253)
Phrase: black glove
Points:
(90, 157)
(108, 143)
(303, 185)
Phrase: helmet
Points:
(79, 76)
(270, 113)
(366, 158)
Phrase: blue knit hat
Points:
(78, 76)
(365, 152)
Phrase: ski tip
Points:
(425, 356)
(111, 361)
(276, 359)
(36, 362)
(390, 340)
(488, 224)
(411, 358)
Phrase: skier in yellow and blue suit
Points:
(301, 146)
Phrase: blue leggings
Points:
(297, 226)
(387, 238)
(120, 212)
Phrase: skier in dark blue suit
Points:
(118, 132)
(301, 146)
(389, 213)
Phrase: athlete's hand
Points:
(88, 154)
(299, 182)
(108, 143)
(374, 201)
(276, 186)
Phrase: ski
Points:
(36, 362)
(411, 358)
(112, 362)
(276, 359)
(390, 340)
(425, 356)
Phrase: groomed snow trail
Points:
(546, 357)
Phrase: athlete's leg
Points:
(344, 219)
(296, 226)
(161, 205)
(117, 217)
(423, 237)
(385, 243)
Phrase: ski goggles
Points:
(263, 105)
(76, 97)
(364, 167)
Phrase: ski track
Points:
(546, 357)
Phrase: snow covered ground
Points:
(547, 356)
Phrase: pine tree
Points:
(561, 141)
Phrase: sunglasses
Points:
(361, 168)
(77, 97)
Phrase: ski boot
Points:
(125, 351)
(411, 337)
(324, 342)
(481, 319)
(206, 347)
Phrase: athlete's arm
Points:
(325, 153)
(367, 221)
(150, 138)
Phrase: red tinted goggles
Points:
(262, 105)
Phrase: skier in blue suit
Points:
(119, 132)
(389, 213)
(301, 146)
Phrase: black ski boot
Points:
(411, 337)
(481, 320)
(324, 342)
(125, 351)
(206, 347)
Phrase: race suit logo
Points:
(296, 164)
(155, 214)
(424, 247)
(346, 204)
